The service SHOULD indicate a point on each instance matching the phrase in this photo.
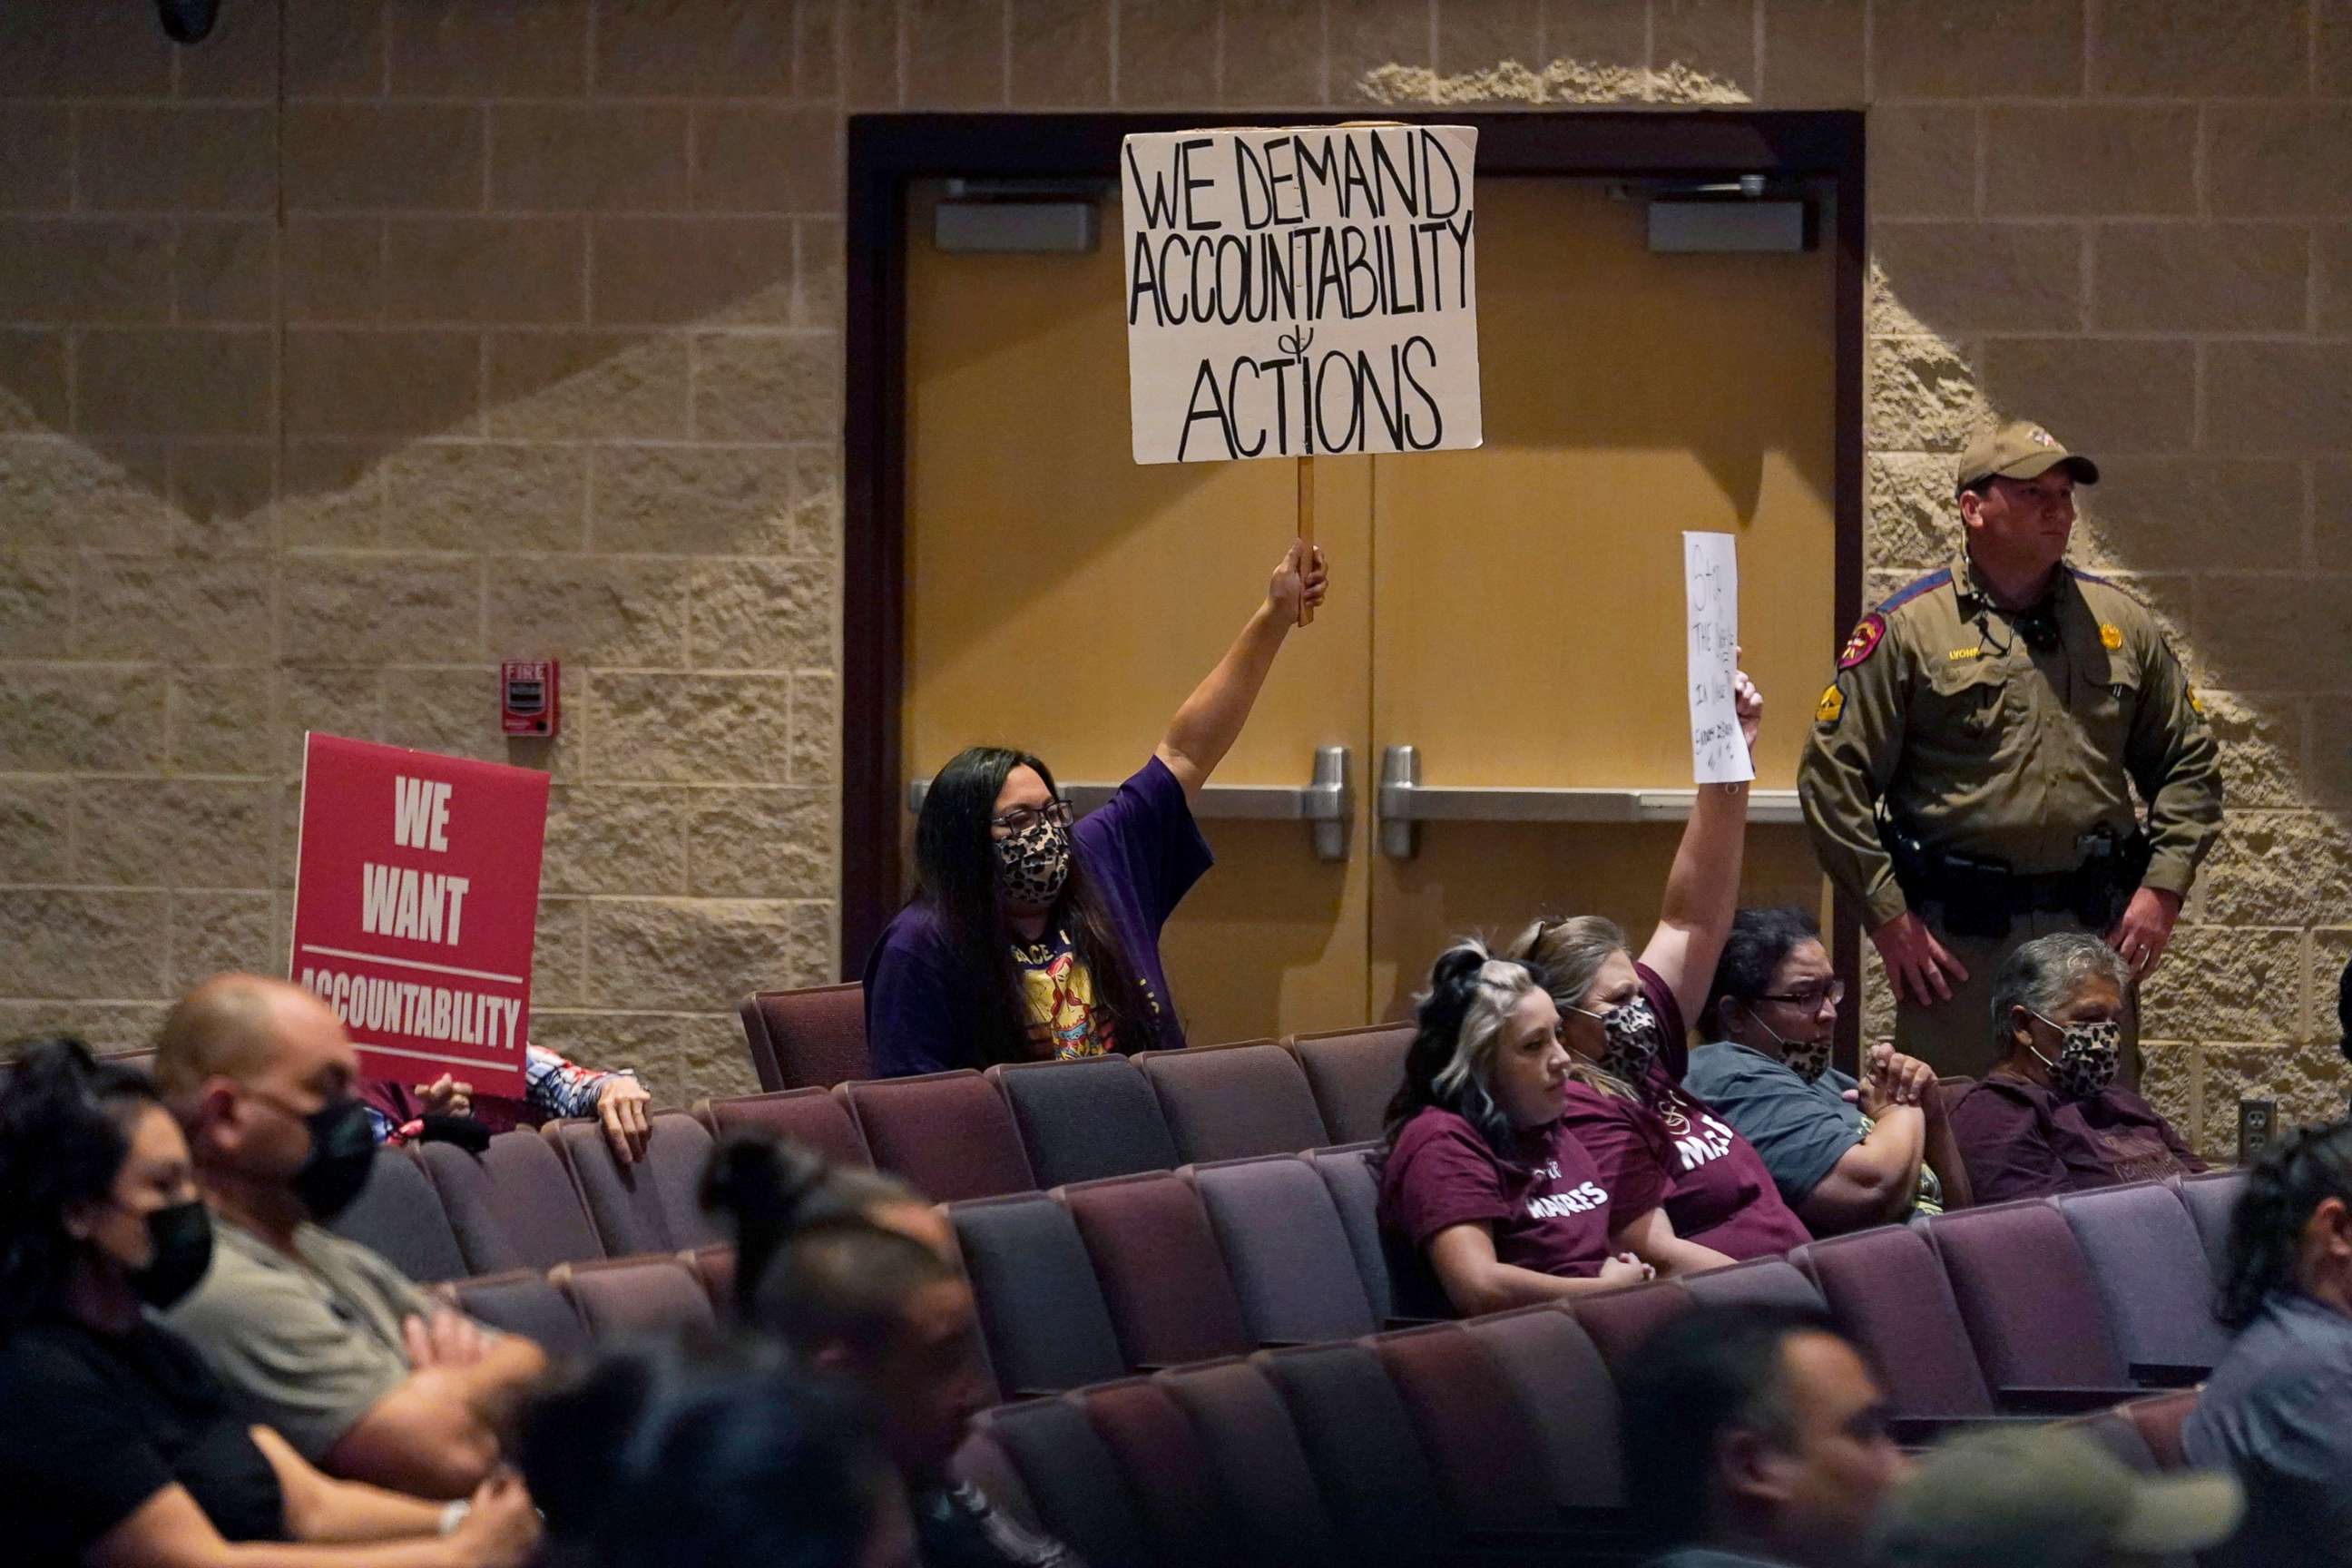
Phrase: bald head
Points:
(253, 1031)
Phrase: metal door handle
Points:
(1327, 802)
(1404, 803)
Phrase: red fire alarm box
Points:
(527, 697)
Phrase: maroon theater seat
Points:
(1168, 1471)
(513, 1205)
(816, 1118)
(636, 1296)
(1570, 1400)
(1620, 1320)
(1072, 1479)
(2147, 1265)
(1161, 1274)
(812, 1038)
(1385, 1502)
(1355, 1191)
(1257, 1461)
(1228, 1102)
(1354, 1073)
(399, 1214)
(2026, 1295)
(1885, 1290)
(948, 1133)
(2212, 1201)
(1759, 1283)
(525, 1303)
(1040, 1308)
(1473, 1425)
(651, 1204)
(1082, 1120)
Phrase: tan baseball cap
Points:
(2049, 1496)
(2019, 449)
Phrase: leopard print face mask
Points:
(1635, 1038)
(2088, 1058)
(1033, 864)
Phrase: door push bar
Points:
(1326, 804)
(1404, 803)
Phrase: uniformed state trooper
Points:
(1970, 773)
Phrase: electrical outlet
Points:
(2257, 1125)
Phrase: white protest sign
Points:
(1302, 292)
(1711, 591)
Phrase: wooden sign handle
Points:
(1306, 530)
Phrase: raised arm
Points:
(1703, 888)
(1211, 720)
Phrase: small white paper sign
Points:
(1292, 292)
(1711, 593)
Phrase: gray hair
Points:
(1486, 995)
(1567, 955)
(2046, 974)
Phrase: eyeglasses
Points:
(1022, 818)
(1811, 998)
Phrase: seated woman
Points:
(1622, 1023)
(552, 1090)
(2049, 1117)
(1844, 1154)
(2278, 1410)
(1483, 1182)
(119, 1448)
(1032, 938)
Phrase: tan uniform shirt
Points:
(1983, 745)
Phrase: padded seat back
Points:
(513, 1205)
(1886, 1290)
(815, 1118)
(1072, 1479)
(2212, 1201)
(399, 1214)
(813, 1037)
(2144, 1253)
(1620, 1321)
(1168, 1471)
(1084, 1119)
(524, 1302)
(1286, 1249)
(1355, 1191)
(1269, 1491)
(1041, 1311)
(651, 1204)
(1161, 1274)
(636, 1296)
(1473, 1425)
(948, 1133)
(1759, 1283)
(2026, 1295)
(1228, 1102)
(1353, 1074)
(1384, 1499)
(1569, 1398)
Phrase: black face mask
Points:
(181, 1236)
(343, 1156)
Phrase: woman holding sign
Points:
(1033, 936)
(1622, 1019)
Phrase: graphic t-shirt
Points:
(1058, 993)
(1717, 1190)
(2023, 1140)
(1541, 1194)
(1143, 851)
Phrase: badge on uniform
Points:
(1864, 641)
(2196, 705)
(2111, 637)
(1831, 708)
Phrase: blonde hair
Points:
(1567, 956)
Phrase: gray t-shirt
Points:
(1802, 1129)
(307, 1349)
(2278, 1412)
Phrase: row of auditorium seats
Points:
(534, 1200)
(1158, 1414)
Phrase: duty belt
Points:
(1981, 896)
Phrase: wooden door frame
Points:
(889, 152)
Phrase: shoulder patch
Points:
(1864, 641)
(1830, 710)
(1910, 591)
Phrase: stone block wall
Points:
(375, 340)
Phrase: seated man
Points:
(553, 1089)
(316, 1336)
(2050, 1116)
(1755, 1435)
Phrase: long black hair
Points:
(2293, 1176)
(955, 865)
(766, 1190)
(1758, 941)
(65, 1130)
(700, 1456)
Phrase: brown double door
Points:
(1514, 615)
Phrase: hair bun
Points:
(49, 1063)
(760, 1176)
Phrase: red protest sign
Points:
(415, 901)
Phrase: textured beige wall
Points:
(493, 328)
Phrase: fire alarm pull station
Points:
(527, 697)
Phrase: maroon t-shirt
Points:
(1542, 1197)
(1719, 1192)
(2023, 1140)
